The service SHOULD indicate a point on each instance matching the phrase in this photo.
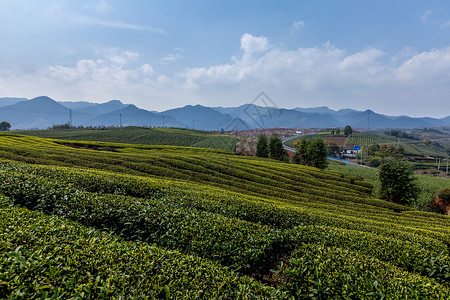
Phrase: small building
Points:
(348, 152)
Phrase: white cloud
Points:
(426, 16)
(147, 69)
(426, 68)
(252, 44)
(327, 75)
(298, 25)
(115, 24)
(446, 24)
(103, 7)
(170, 58)
(404, 83)
(123, 58)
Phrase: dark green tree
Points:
(311, 153)
(318, 153)
(348, 131)
(276, 150)
(262, 149)
(302, 155)
(338, 131)
(397, 182)
(4, 126)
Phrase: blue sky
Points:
(389, 56)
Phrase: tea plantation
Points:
(142, 135)
(125, 221)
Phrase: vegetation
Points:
(428, 185)
(5, 126)
(400, 134)
(441, 201)
(311, 153)
(397, 182)
(141, 135)
(178, 222)
(276, 150)
(348, 130)
(262, 148)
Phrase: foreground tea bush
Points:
(235, 243)
(317, 272)
(409, 255)
(46, 257)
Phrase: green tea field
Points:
(109, 220)
(142, 135)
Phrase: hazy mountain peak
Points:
(42, 98)
(114, 102)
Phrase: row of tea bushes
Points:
(233, 242)
(318, 272)
(409, 255)
(44, 257)
(253, 209)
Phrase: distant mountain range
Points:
(43, 112)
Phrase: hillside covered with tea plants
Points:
(141, 135)
(113, 221)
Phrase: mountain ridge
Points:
(43, 112)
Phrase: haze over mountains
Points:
(43, 112)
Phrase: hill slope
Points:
(141, 135)
(320, 232)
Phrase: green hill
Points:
(96, 220)
(142, 135)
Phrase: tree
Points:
(397, 182)
(5, 126)
(302, 155)
(338, 131)
(427, 142)
(348, 131)
(262, 149)
(276, 150)
(318, 153)
(311, 153)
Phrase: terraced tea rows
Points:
(140, 135)
(207, 223)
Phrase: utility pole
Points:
(70, 116)
(164, 126)
(446, 172)
(120, 120)
(361, 155)
(193, 124)
(439, 164)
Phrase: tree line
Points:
(308, 152)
